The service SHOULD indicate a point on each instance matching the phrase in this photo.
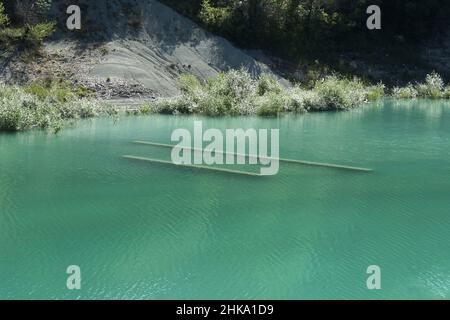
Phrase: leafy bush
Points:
(190, 86)
(446, 93)
(272, 104)
(339, 94)
(175, 105)
(22, 110)
(304, 100)
(215, 105)
(146, 109)
(4, 19)
(230, 93)
(377, 92)
(408, 92)
(11, 36)
(38, 32)
(267, 83)
(238, 85)
(214, 17)
(84, 109)
(432, 88)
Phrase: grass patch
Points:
(59, 90)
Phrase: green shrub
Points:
(267, 83)
(408, 92)
(10, 119)
(339, 94)
(38, 32)
(175, 105)
(432, 88)
(230, 93)
(4, 19)
(10, 38)
(43, 6)
(146, 109)
(67, 111)
(304, 100)
(216, 105)
(12, 34)
(446, 93)
(22, 110)
(273, 104)
(190, 86)
(238, 85)
(374, 93)
(85, 109)
(214, 17)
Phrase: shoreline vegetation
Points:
(50, 104)
(236, 92)
(47, 105)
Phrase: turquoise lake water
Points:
(151, 231)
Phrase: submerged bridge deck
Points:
(282, 160)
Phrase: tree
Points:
(32, 12)
(291, 28)
(30, 23)
(4, 19)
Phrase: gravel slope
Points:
(165, 46)
(130, 49)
